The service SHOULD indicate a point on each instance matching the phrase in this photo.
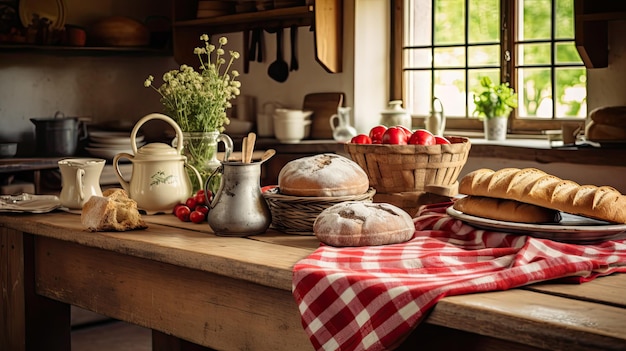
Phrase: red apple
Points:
(395, 135)
(376, 134)
(406, 130)
(361, 139)
(441, 140)
(422, 137)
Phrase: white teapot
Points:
(158, 180)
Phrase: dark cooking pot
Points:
(58, 136)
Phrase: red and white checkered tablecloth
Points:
(370, 298)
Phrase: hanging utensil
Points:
(294, 48)
(279, 69)
(259, 40)
(246, 53)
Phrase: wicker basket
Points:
(405, 168)
(296, 214)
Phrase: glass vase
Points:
(201, 150)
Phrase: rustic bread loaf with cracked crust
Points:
(505, 210)
(356, 223)
(322, 175)
(533, 186)
(113, 211)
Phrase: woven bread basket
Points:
(407, 168)
(296, 214)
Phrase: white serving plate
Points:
(107, 153)
(571, 228)
(113, 138)
(29, 203)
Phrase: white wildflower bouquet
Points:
(198, 100)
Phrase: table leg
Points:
(29, 321)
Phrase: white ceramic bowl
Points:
(291, 131)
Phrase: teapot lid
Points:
(161, 151)
(394, 108)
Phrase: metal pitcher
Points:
(238, 207)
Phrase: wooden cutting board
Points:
(323, 105)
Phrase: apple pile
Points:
(399, 135)
(194, 209)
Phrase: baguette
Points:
(505, 210)
(536, 187)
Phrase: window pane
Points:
(484, 21)
(449, 18)
(536, 91)
(417, 101)
(450, 57)
(484, 55)
(571, 92)
(450, 89)
(474, 77)
(534, 19)
(418, 58)
(564, 19)
(566, 53)
(417, 23)
(533, 54)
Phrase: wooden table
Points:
(194, 288)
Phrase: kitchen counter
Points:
(191, 286)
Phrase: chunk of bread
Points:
(322, 175)
(356, 223)
(506, 210)
(536, 187)
(113, 211)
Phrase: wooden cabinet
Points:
(325, 17)
(591, 21)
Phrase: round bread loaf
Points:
(355, 223)
(322, 175)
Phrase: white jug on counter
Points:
(80, 179)
(158, 180)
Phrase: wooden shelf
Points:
(325, 17)
(83, 50)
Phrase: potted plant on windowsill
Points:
(493, 104)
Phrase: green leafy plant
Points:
(198, 100)
(494, 100)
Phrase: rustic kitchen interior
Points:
(344, 60)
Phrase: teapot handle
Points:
(179, 132)
(125, 185)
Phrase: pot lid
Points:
(158, 152)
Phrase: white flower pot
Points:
(495, 128)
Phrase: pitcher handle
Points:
(332, 121)
(228, 146)
(125, 185)
(219, 190)
(179, 132)
(80, 173)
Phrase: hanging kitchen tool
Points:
(294, 48)
(246, 53)
(279, 69)
(259, 44)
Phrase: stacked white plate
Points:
(106, 145)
